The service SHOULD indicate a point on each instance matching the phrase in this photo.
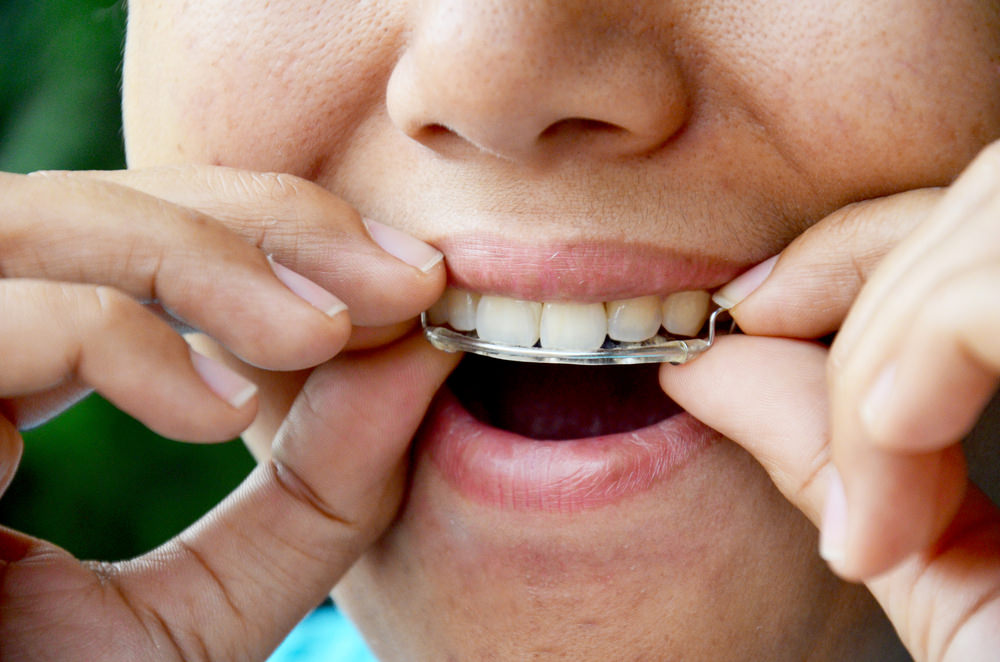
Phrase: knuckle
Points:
(310, 203)
(283, 186)
(294, 485)
(859, 222)
(268, 188)
(113, 308)
(291, 210)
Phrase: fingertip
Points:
(414, 252)
(877, 401)
(833, 527)
(737, 290)
(913, 407)
(890, 509)
(11, 449)
(292, 337)
(235, 389)
(367, 337)
(311, 292)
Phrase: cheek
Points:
(273, 86)
(909, 89)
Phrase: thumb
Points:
(263, 558)
(768, 395)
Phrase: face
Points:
(582, 152)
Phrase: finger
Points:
(889, 505)
(807, 290)
(945, 602)
(37, 408)
(274, 549)
(898, 447)
(278, 390)
(11, 448)
(382, 274)
(52, 334)
(78, 230)
(277, 394)
(770, 396)
(934, 388)
(901, 494)
(370, 337)
(961, 230)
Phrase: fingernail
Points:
(740, 287)
(876, 401)
(307, 289)
(232, 387)
(833, 536)
(403, 246)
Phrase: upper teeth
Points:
(565, 325)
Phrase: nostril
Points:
(439, 137)
(580, 126)
(572, 128)
(432, 130)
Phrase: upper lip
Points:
(577, 270)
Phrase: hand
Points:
(78, 253)
(911, 281)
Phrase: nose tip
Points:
(527, 85)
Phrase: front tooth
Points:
(508, 321)
(684, 313)
(634, 320)
(580, 326)
(462, 306)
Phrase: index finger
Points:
(807, 290)
(310, 230)
(83, 231)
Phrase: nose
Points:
(528, 80)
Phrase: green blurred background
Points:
(93, 480)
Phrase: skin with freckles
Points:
(553, 151)
(712, 131)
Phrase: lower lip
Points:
(510, 472)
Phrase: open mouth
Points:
(550, 437)
(558, 402)
(556, 439)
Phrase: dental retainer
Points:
(658, 349)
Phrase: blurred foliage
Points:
(93, 480)
(60, 72)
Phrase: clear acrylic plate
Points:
(659, 349)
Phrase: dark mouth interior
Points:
(560, 401)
